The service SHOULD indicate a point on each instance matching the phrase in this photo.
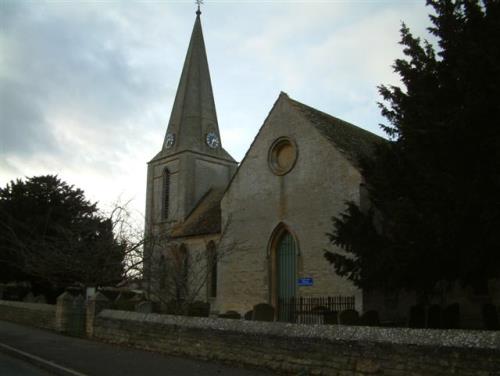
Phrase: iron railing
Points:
(311, 310)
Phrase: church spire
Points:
(193, 122)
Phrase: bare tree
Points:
(179, 276)
(85, 254)
(129, 234)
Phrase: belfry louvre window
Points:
(166, 193)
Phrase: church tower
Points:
(192, 161)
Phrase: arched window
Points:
(181, 273)
(212, 270)
(184, 266)
(166, 193)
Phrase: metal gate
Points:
(287, 275)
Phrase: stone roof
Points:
(204, 219)
(355, 143)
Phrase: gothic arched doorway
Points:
(284, 254)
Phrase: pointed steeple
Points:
(193, 122)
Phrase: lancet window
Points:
(166, 193)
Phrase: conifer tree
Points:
(435, 186)
(52, 236)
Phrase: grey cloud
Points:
(22, 123)
(59, 62)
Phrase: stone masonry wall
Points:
(304, 200)
(312, 349)
(32, 314)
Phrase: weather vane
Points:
(199, 2)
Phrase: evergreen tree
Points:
(435, 186)
(52, 236)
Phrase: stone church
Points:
(238, 234)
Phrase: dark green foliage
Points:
(434, 188)
(53, 237)
(15, 292)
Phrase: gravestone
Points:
(331, 317)
(230, 315)
(263, 312)
(451, 316)
(490, 317)
(349, 317)
(199, 309)
(137, 298)
(40, 299)
(248, 315)
(145, 306)
(125, 301)
(417, 316)
(434, 317)
(29, 298)
(110, 294)
(15, 292)
(175, 307)
(370, 318)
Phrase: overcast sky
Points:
(86, 87)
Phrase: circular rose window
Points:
(282, 155)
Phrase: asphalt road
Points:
(14, 367)
(100, 359)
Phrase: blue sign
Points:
(305, 281)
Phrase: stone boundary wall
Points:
(308, 349)
(31, 314)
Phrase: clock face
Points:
(212, 140)
(169, 140)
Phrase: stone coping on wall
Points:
(450, 338)
(30, 306)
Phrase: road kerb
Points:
(39, 362)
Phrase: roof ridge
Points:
(198, 204)
(205, 216)
(344, 122)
